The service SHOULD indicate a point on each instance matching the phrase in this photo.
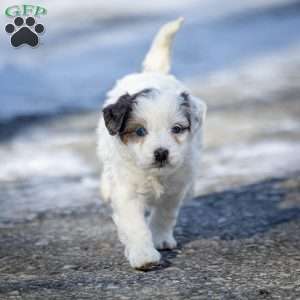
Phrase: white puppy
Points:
(149, 145)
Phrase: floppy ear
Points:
(115, 115)
(199, 109)
(195, 110)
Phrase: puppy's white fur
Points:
(129, 177)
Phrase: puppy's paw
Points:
(165, 242)
(143, 258)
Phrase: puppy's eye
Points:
(177, 129)
(141, 131)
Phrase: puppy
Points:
(149, 146)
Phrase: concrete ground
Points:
(238, 244)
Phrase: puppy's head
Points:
(155, 126)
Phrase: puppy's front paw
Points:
(165, 242)
(143, 258)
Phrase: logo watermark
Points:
(25, 30)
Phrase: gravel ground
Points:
(241, 243)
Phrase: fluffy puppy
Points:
(149, 146)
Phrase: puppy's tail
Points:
(158, 59)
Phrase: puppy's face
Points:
(156, 127)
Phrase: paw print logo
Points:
(24, 33)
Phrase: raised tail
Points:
(158, 58)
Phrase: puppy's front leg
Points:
(134, 232)
(163, 220)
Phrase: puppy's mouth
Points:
(161, 164)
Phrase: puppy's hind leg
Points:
(134, 232)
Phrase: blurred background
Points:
(241, 57)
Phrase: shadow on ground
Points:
(241, 212)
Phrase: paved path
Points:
(238, 244)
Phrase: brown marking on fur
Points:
(128, 135)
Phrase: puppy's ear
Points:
(116, 115)
(195, 109)
(198, 111)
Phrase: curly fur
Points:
(131, 178)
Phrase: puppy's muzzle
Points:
(161, 156)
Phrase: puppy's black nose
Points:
(161, 155)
